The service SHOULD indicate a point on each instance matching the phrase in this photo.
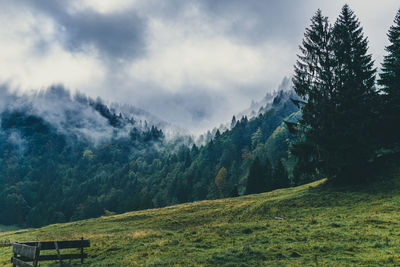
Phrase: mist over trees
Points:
(53, 171)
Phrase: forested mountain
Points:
(77, 116)
(65, 158)
(264, 104)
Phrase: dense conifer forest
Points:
(51, 175)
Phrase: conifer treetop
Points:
(390, 76)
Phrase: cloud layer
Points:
(194, 62)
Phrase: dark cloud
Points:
(251, 21)
(117, 35)
(254, 21)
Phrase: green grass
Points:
(320, 227)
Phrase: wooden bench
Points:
(25, 252)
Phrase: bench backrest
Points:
(30, 251)
(47, 245)
(27, 253)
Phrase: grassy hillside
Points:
(310, 225)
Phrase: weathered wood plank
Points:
(25, 251)
(58, 253)
(82, 251)
(55, 257)
(47, 245)
(36, 260)
(30, 250)
(63, 256)
(19, 262)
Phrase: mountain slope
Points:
(310, 225)
(77, 158)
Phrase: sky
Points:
(193, 63)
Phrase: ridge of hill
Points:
(308, 225)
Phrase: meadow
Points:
(309, 225)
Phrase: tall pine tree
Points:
(268, 178)
(280, 176)
(390, 82)
(335, 78)
(313, 82)
(256, 179)
(352, 141)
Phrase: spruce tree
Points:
(234, 191)
(255, 179)
(351, 143)
(233, 122)
(268, 178)
(280, 176)
(390, 82)
(313, 83)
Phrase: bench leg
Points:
(82, 250)
(15, 255)
(58, 253)
(36, 259)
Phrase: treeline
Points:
(350, 120)
(264, 177)
(48, 175)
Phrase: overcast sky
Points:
(191, 62)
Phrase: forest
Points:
(48, 175)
